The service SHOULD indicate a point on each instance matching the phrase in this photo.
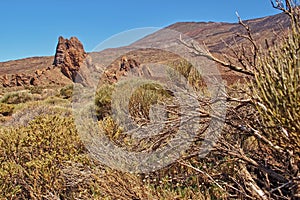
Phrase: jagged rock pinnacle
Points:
(69, 56)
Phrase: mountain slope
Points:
(214, 35)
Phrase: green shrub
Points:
(35, 89)
(66, 92)
(191, 73)
(143, 98)
(103, 100)
(16, 97)
(53, 100)
(276, 89)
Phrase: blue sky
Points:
(31, 27)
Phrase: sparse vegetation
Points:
(257, 156)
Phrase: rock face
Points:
(127, 64)
(121, 68)
(49, 75)
(17, 80)
(69, 56)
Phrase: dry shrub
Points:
(261, 135)
(46, 160)
(6, 109)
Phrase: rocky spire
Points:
(69, 56)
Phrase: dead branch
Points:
(207, 54)
(202, 172)
(254, 188)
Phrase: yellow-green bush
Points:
(276, 89)
(16, 97)
(46, 160)
(6, 109)
(188, 71)
(103, 100)
(144, 97)
(66, 92)
(31, 157)
(35, 89)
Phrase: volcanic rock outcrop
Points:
(17, 80)
(121, 68)
(127, 64)
(69, 56)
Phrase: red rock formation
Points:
(17, 80)
(127, 64)
(118, 69)
(69, 56)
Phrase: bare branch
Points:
(251, 183)
(202, 172)
(207, 54)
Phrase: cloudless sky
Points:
(32, 27)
